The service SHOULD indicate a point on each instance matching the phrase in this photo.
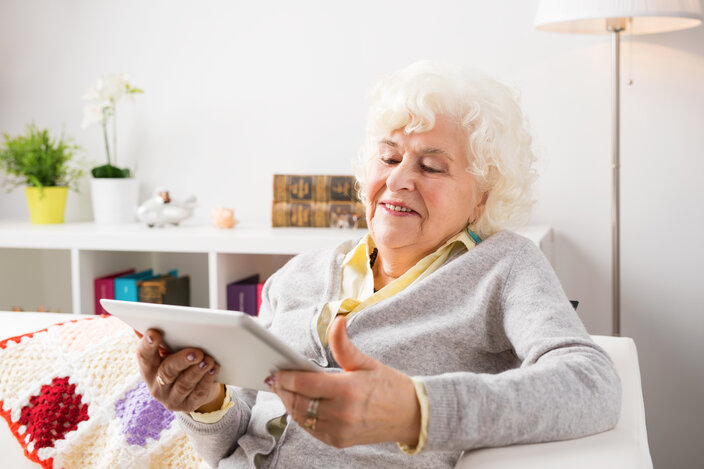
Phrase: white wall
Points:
(236, 91)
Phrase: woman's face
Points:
(418, 190)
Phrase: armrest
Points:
(625, 446)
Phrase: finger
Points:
(203, 392)
(187, 381)
(164, 349)
(346, 354)
(297, 408)
(148, 355)
(308, 383)
(176, 363)
(296, 404)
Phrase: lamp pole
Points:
(615, 26)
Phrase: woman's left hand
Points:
(368, 403)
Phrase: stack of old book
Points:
(320, 201)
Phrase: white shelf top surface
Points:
(243, 239)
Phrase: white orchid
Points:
(93, 114)
(103, 99)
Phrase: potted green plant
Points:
(114, 190)
(45, 166)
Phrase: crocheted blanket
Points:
(73, 398)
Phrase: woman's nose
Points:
(402, 176)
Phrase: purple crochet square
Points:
(142, 416)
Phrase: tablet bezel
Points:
(202, 324)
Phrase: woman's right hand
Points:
(182, 381)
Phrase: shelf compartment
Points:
(93, 264)
(226, 268)
(35, 278)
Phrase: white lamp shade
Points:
(590, 16)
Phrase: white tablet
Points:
(247, 353)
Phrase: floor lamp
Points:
(614, 17)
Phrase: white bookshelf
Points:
(54, 265)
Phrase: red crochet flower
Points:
(56, 411)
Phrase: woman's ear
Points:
(482, 203)
(479, 208)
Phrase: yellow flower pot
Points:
(46, 205)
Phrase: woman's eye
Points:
(390, 160)
(430, 169)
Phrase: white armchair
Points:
(625, 447)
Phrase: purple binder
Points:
(242, 295)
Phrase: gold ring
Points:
(312, 409)
(160, 380)
(310, 423)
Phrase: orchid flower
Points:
(103, 99)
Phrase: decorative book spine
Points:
(166, 290)
(126, 286)
(152, 291)
(319, 214)
(104, 287)
(242, 295)
(314, 188)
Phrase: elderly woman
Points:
(442, 331)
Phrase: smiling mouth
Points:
(397, 208)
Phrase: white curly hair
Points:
(497, 136)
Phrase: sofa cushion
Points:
(73, 398)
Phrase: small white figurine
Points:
(160, 209)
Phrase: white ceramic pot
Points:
(114, 200)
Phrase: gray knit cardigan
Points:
(502, 353)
